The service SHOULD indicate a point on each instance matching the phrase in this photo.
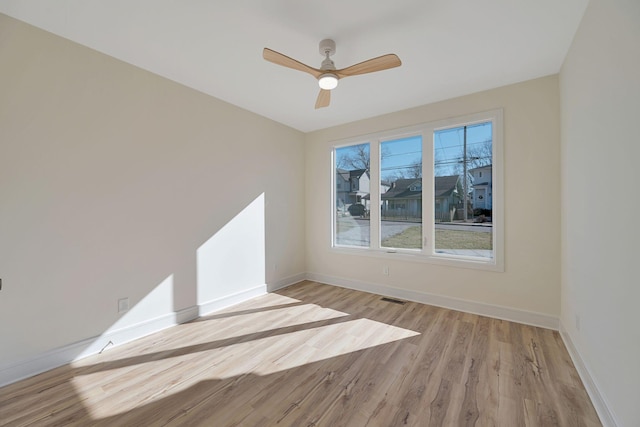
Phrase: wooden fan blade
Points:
(324, 97)
(285, 61)
(380, 63)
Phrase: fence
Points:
(438, 216)
(400, 215)
(443, 216)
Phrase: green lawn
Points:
(411, 238)
(455, 239)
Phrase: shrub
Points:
(481, 211)
(357, 209)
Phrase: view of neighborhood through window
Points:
(463, 190)
(449, 217)
(352, 197)
(401, 193)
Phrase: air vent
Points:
(393, 300)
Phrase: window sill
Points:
(457, 261)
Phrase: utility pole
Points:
(464, 163)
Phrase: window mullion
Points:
(374, 194)
(428, 227)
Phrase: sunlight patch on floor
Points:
(214, 331)
(262, 357)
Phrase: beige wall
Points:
(117, 183)
(600, 93)
(531, 280)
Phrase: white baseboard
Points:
(43, 362)
(229, 300)
(186, 315)
(286, 282)
(90, 346)
(474, 307)
(67, 354)
(599, 402)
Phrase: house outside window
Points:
(354, 183)
(482, 190)
(351, 195)
(438, 196)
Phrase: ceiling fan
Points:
(327, 74)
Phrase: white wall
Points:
(531, 280)
(600, 93)
(115, 182)
(111, 181)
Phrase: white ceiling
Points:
(448, 47)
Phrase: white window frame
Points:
(427, 254)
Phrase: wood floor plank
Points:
(316, 355)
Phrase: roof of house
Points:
(445, 185)
(400, 188)
(480, 167)
(357, 173)
(347, 174)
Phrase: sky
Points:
(449, 144)
(399, 155)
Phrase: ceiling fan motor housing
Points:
(327, 47)
(327, 64)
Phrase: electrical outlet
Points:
(385, 270)
(123, 305)
(577, 322)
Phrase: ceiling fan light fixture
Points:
(328, 81)
(327, 75)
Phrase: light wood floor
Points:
(316, 355)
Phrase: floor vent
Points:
(393, 300)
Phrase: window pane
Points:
(352, 198)
(401, 193)
(463, 190)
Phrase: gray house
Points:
(403, 200)
(352, 186)
(482, 183)
(448, 196)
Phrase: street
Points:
(355, 232)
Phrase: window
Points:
(351, 196)
(401, 200)
(429, 193)
(463, 224)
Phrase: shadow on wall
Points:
(200, 370)
(230, 267)
(231, 264)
